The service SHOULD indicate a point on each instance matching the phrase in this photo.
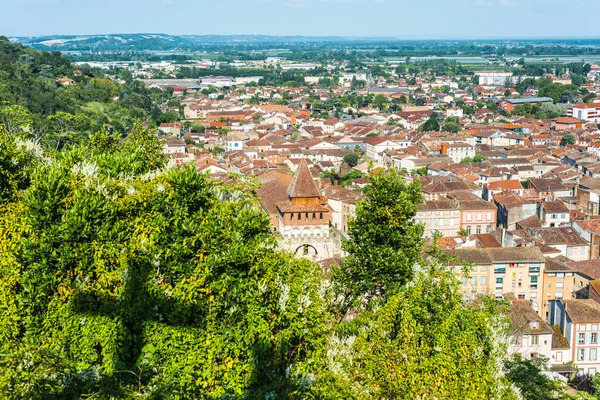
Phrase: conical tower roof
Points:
(303, 184)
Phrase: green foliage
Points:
(425, 340)
(18, 160)
(528, 376)
(422, 171)
(384, 241)
(451, 127)
(121, 279)
(432, 124)
(567, 139)
(198, 128)
(351, 159)
(30, 92)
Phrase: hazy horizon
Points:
(426, 20)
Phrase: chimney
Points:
(444, 148)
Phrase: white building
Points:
(530, 335)
(495, 78)
(217, 81)
(585, 112)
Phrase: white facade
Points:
(495, 78)
(589, 112)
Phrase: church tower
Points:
(305, 218)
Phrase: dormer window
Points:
(534, 324)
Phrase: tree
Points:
(380, 101)
(432, 124)
(567, 139)
(123, 279)
(351, 159)
(552, 110)
(422, 171)
(463, 232)
(528, 376)
(479, 158)
(16, 119)
(451, 127)
(384, 241)
(198, 128)
(425, 332)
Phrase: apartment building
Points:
(579, 321)
(439, 215)
(585, 112)
(503, 270)
(558, 282)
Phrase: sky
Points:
(404, 19)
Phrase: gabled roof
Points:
(582, 310)
(303, 185)
(505, 185)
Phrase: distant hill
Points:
(157, 42)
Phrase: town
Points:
(508, 166)
(299, 217)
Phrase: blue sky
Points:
(410, 19)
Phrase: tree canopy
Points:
(116, 281)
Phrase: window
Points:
(580, 355)
(469, 217)
(560, 275)
(534, 339)
(499, 280)
(517, 341)
(478, 229)
(581, 338)
(299, 216)
(594, 338)
(520, 276)
(321, 215)
(483, 280)
(464, 280)
(521, 296)
(489, 216)
(474, 269)
(549, 284)
(558, 295)
(474, 281)
(478, 216)
(559, 356)
(592, 371)
(468, 229)
(593, 354)
(314, 216)
(560, 285)
(483, 268)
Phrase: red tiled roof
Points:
(303, 185)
